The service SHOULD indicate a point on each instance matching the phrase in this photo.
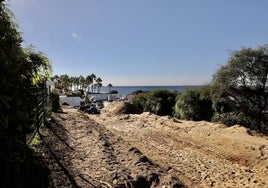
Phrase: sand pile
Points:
(202, 154)
(83, 153)
(118, 108)
(116, 149)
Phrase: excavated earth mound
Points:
(82, 153)
(117, 149)
(118, 108)
(201, 154)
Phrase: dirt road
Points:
(83, 153)
(122, 150)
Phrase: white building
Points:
(50, 86)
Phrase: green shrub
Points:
(114, 92)
(139, 102)
(55, 101)
(100, 105)
(160, 102)
(231, 118)
(194, 104)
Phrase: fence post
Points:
(44, 103)
(37, 109)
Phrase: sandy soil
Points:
(114, 149)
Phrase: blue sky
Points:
(141, 42)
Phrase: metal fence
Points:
(40, 95)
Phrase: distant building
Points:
(50, 86)
(102, 96)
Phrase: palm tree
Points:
(99, 83)
(64, 79)
(110, 86)
(99, 86)
(39, 64)
(81, 81)
(72, 82)
(55, 79)
(88, 81)
(75, 82)
(93, 76)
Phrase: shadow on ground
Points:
(81, 153)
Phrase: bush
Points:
(114, 92)
(238, 118)
(55, 101)
(194, 104)
(159, 102)
(230, 118)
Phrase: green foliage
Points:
(231, 118)
(109, 86)
(65, 83)
(194, 104)
(113, 92)
(240, 88)
(39, 65)
(20, 69)
(100, 104)
(160, 102)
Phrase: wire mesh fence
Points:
(40, 96)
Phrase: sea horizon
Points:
(123, 91)
(157, 85)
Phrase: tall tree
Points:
(99, 83)
(242, 86)
(93, 76)
(72, 80)
(65, 81)
(76, 82)
(81, 81)
(20, 69)
(110, 86)
(88, 80)
(56, 79)
(38, 63)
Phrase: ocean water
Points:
(125, 90)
